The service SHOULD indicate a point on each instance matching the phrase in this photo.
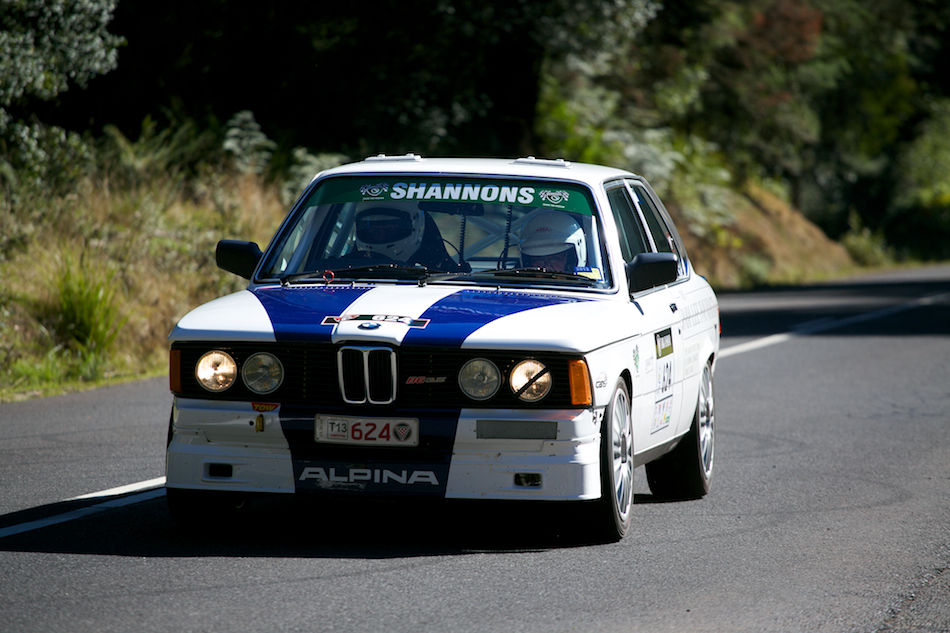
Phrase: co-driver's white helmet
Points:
(390, 230)
(551, 232)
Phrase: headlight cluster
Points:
(262, 373)
(480, 379)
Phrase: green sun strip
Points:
(561, 196)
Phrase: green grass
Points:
(90, 297)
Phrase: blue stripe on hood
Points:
(456, 317)
(297, 313)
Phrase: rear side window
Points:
(662, 233)
(633, 239)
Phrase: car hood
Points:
(437, 316)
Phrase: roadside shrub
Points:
(755, 270)
(304, 167)
(86, 317)
(866, 248)
(247, 144)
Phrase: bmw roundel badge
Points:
(370, 325)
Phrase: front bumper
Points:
(551, 455)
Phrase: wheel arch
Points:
(628, 379)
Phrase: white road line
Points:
(121, 490)
(759, 343)
(824, 325)
(94, 509)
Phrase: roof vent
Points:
(556, 162)
(383, 158)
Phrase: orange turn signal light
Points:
(174, 370)
(580, 382)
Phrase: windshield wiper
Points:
(422, 274)
(542, 273)
(388, 270)
(316, 275)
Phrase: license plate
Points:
(366, 431)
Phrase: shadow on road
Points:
(788, 309)
(312, 529)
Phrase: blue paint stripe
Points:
(297, 312)
(454, 318)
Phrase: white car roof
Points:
(529, 167)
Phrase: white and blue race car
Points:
(523, 329)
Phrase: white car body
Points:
(656, 342)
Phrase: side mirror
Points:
(238, 257)
(648, 270)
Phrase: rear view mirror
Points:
(238, 257)
(648, 270)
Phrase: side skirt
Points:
(652, 454)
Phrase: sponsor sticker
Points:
(565, 196)
(663, 411)
(691, 359)
(425, 380)
(662, 414)
(403, 431)
(664, 343)
(699, 313)
(376, 318)
(590, 273)
(402, 477)
(554, 197)
(374, 192)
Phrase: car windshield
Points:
(476, 229)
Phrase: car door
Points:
(667, 239)
(653, 366)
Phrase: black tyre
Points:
(616, 466)
(686, 471)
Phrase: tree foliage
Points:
(46, 44)
(818, 97)
(829, 101)
(446, 77)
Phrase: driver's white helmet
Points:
(389, 230)
(549, 233)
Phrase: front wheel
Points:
(616, 465)
(686, 471)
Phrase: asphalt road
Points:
(830, 508)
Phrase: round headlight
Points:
(262, 373)
(479, 379)
(216, 371)
(530, 380)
